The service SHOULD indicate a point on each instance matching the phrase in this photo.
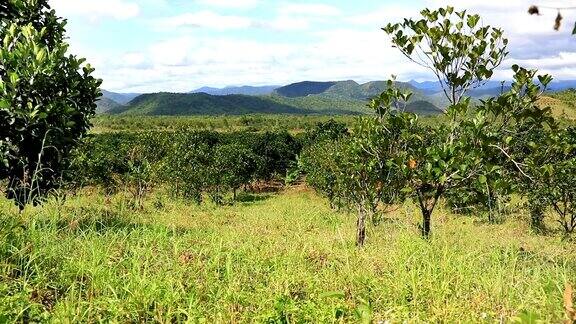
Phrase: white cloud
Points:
(212, 20)
(184, 63)
(207, 19)
(230, 3)
(94, 10)
(381, 16)
(357, 49)
(309, 9)
(284, 23)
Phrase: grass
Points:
(273, 258)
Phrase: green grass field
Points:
(273, 258)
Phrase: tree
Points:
(46, 99)
(460, 52)
(368, 179)
(472, 155)
(552, 167)
(234, 165)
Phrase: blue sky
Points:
(180, 45)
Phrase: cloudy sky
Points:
(180, 45)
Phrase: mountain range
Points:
(243, 90)
(308, 97)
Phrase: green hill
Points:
(303, 89)
(177, 104)
(354, 93)
(325, 98)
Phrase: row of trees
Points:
(190, 163)
(485, 152)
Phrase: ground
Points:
(282, 257)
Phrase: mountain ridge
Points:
(307, 97)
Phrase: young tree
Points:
(460, 52)
(473, 153)
(46, 99)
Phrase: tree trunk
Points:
(426, 218)
(427, 205)
(361, 227)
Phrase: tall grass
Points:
(273, 258)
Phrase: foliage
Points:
(453, 45)
(499, 132)
(39, 125)
(552, 167)
(189, 162)
(294, 124)
(234, 165)
(356, 172)
(475, 158)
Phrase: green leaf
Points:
(41, 55)
(482, 179)
(14, 78)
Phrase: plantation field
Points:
(292, 123)
(284, 257)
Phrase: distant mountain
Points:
(309, 97)
(303, 89)
(105, 104)
(244, 90)
(121, 98)
(351, 91)
(562, 85)
(490, 88)
(428, 87)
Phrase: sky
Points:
(181, 45)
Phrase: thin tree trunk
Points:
(361, 227)
(426, 220)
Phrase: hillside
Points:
(180, 104)
(308, 97)
(357, 95)
(563, 103)
(303, 89)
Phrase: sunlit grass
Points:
(280, 258)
